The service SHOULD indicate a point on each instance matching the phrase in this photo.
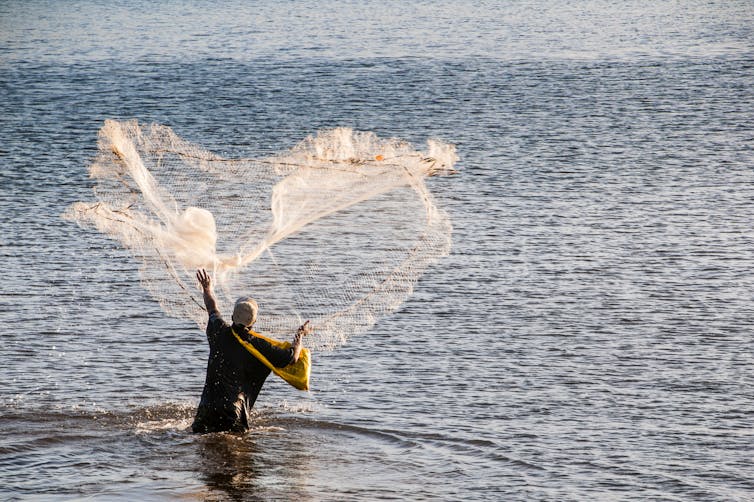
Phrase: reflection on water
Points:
(227, 464)
(269, 462)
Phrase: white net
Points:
(337, 230)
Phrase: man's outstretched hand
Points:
(204, 279)
(209, 299)
(304, 329)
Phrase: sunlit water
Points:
(590, 337)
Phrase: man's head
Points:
(245, 311)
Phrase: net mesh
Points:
(338, 229)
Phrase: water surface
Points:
(588, 338)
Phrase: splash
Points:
(338, 229)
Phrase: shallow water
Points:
(588, 338)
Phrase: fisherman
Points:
(234, 375)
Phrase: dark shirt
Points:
(234, 378)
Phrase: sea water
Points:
(590, 336)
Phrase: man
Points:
(234, 375)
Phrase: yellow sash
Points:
(296, 374)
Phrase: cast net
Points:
(337, 230)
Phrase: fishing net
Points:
(337, 230)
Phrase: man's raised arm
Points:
(209, 299)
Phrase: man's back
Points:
(234, 378)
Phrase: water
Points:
(588, 338)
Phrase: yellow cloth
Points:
(296, 374)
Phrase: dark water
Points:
(590, 337)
